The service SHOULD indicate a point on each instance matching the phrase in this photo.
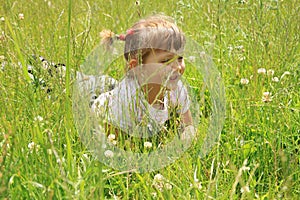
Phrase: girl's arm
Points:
(187, 118)
(189, 130)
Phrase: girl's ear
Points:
(133, 63)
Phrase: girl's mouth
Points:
(174, 77)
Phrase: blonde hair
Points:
(154, 32)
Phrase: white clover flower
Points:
(21, 16)
(111, 137)
(270, 72)
(148, 144)
(154, 194)
(261, 71)
(275, 79)
(158, 177)
(267, 97)
(38, 118)
(32, 146)
(244, 81)
(245, 189)
(2, 19)
(168, 186)
(108, 154)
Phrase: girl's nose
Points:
(179, 66)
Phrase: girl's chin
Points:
(171, 85)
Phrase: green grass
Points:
(259, 144)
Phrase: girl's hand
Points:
(188, 133)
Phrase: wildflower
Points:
(245, 189)
(192, 58)
(158, 182)
(38, 118)
(168, 186)
(154, 194)
(240, 47)
(137, 3)
(32, 146)
(111, 137)
(244, 81)
(158, 177)
(2, 57)
(148, 144)
(275, 79)
(267, 97)
(2, 19)
(108, 154)
(270, 72)
(21, 16)
(261, 71)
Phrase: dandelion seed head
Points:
(108, 154)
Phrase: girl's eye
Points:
(166, 60)
(180, 58)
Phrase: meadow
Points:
(255, 47)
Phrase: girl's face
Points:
(164, 68)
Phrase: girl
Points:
(141, 103)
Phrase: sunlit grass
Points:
(258, 152)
